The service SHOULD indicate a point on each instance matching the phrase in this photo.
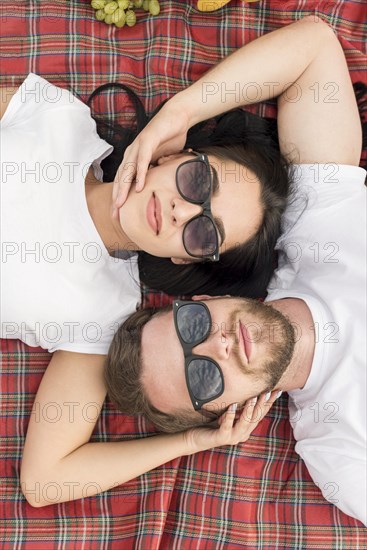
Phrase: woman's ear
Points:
(200, 297)
(181, 261)
(167, 158)
(207, 297)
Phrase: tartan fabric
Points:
(256, 495)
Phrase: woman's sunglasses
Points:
(204, 377)
(194, 183)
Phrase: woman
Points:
(60, 452)
(244, 150)
(65, 289)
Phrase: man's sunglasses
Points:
(204, 377)
(195, 185)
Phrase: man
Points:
(319, 285)
(307, 339)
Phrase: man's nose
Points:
(217, 346)
(182, 211)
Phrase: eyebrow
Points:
(218, 221)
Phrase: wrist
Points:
(188, 444)
(182, 109)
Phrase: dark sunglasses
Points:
(204, 377)
(195, 185)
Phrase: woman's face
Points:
(236, 205)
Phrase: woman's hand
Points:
(229, 431)
(164, 134)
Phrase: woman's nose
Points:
(182, 211)
(217, 346)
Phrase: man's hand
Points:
(229, 431)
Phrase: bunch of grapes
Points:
(121, 12)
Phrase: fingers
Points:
(230, 432)
(123, 178)
(253, 412)
(144, 159)
(227, 419)
(242, 429)
(140, 176)
(246, 423)
(249, 409)
(264, 403)
(122, 183)
(134, 166)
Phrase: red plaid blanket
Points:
(255, 495)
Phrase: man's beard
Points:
(271, 330)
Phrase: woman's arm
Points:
(60, 464)
(302, 64)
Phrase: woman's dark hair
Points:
(245, 269)
(249, 140)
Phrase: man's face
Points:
(252, 343)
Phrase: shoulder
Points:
(6, 95)
(322, 188)
(327, 174)
(34, 96)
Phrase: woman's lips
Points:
(152, 214)
(158, 213)
(246, 341)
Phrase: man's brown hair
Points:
(123, 377)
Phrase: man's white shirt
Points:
(322, 260)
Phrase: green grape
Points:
(130, 18)
(117, 15)
(100, 15)
(98, 4)
(121, 22)
(110, 7)
(154, 7)
(113, 11)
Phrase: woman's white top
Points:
(60, 288)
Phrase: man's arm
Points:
(304, 66)
(324, 123)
